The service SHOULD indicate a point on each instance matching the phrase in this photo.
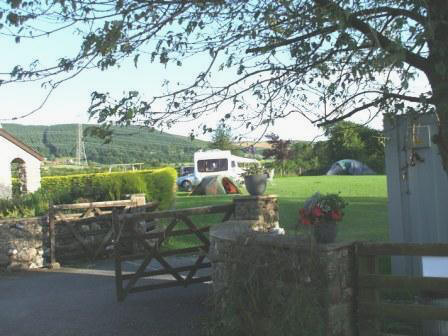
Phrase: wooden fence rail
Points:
(107, 204)
(371, 309)
(401, 249)
(406, 312)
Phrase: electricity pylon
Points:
(80, 148)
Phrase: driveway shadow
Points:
(82, 301)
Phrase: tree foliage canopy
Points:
(222, 138)
(324, 59)
(346, 140)
(280, 150)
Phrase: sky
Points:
(69, 103)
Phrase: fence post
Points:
(371, 326)
(117, 250)
(52, 236)
(138, 199)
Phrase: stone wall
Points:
(70, 249)
(22, 243)
(338, 260)
(333, 270)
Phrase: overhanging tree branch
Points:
(375, 36)
(348, 114)
(393, 12)
(323, 31)
(375, 102)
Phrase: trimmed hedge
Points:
(157, 184)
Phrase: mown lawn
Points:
(365, 217)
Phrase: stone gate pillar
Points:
(262, 210)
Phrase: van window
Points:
(186, 171)
(233, 164)
(213, 165)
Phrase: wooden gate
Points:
(380, 296)
(153, 247)
(65, 224)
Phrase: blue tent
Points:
(349, 167)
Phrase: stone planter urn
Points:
(256, 184)
(325, 233)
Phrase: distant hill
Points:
(129, 144)
(259, 145)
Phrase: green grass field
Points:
(365, 216)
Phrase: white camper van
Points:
(218, 162)
(214, 162)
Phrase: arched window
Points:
(18, 174)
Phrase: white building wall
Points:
(9, 152)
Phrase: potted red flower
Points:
(322, 212)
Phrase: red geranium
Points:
(306, 221)
(304, 217)
(336, 215)
(322, 208)
(317, 211)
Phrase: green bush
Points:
(157, 185)
(161, 186)
(28, 205)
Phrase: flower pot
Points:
(255, 184)
(325, 233)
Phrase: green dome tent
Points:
(349, 167)
(216, 185)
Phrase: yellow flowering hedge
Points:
(157, 184)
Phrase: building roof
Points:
(18, 143)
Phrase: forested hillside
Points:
(129, 144)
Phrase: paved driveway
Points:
(82, 302)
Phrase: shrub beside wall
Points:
(28, 205)
(161, 186)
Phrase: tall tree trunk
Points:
(442, 138)
(438, 71)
